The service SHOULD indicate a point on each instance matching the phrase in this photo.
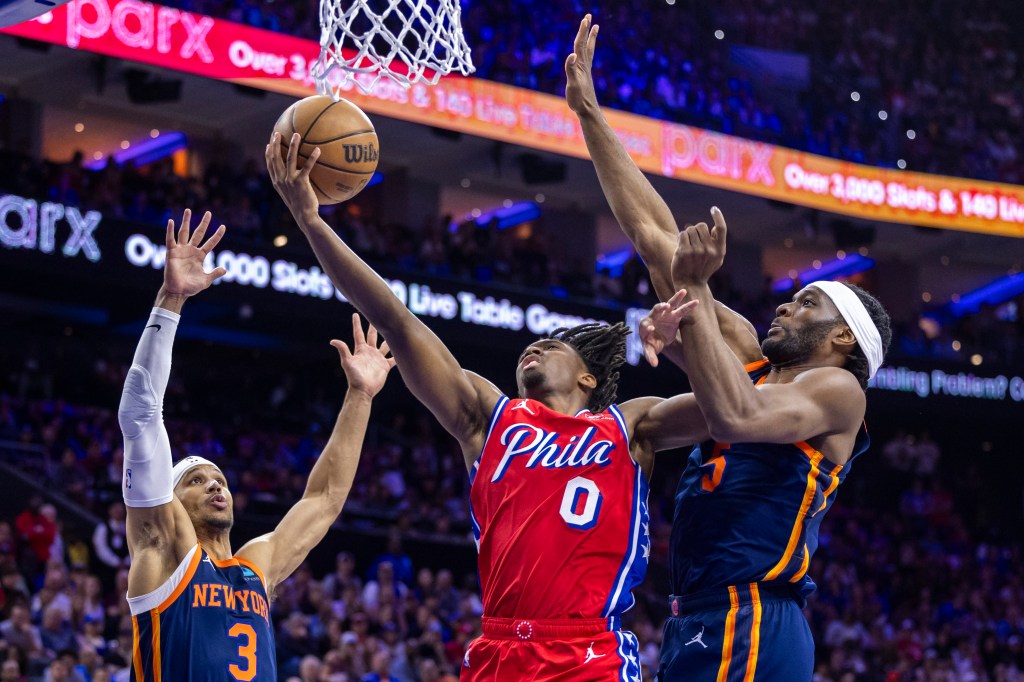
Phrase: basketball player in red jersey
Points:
(559, 473)
(199, 611)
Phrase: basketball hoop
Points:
(405, 40)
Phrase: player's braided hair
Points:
(603, 349)
(856, 361)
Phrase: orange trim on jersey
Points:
(185, 580)
(803, 566)
(805, 505)
(755, 633)
(137, 651)
(755, 365)
(156, 646)
(730, 633)
(831, 486)
(708, 484)
(254, 567)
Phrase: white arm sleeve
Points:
(147, 449)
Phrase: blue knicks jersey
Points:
(209, 621)
(750, 512)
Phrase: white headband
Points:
(856, 315)
(186, 465)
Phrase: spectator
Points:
(37, 532)
(18, 632)
(110, 543)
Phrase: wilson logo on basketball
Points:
(359, 153)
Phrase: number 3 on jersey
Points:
(574, 516)
(246, 651)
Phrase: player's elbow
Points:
(139, 403)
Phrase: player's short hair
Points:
(856, 361)
(603, 349)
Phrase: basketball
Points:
(347, 141)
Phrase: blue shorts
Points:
(748, 633)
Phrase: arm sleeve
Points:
(147, 450)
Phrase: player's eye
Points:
(196, 479)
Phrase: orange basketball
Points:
(347, 141)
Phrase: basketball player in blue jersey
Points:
(785, 419)
(199, 611)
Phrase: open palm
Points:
(184, 274)
(366, 365)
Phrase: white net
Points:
(405, 40)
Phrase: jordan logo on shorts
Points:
(698, 639)
(591, 655)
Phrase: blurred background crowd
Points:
(935, 84)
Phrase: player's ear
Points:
(587, 380)
(844, 338)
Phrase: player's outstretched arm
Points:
(158, 528)
(821, 401)
(462, 401)
(639, 209)
(280, 552)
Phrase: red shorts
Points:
(570, 650)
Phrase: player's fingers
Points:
(169, 237)
(677, 298)
(569, 62)
(217, 273)
(293, 154)
(703, 232)
(358, 338)
(186, 218)
(343, 352)
(391, 363)
(720, 229)
(273, 156)
(385, 349)
(214, 239)
(307, 167)
(197, 237)
(581, 35)
(686, 309)
(592, 39)
(371, 336)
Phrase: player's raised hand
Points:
(184, 274)
(291, 181)
(700, 251)
(658, 328)
(579, 83)
(367, 364)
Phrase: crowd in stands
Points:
(948, 71)
(915, 582)
(525, 258)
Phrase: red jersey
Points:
(559, 510)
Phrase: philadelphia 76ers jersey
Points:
(209, 622)
(559, 510)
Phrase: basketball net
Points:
(404, 40)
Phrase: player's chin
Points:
(221, 520)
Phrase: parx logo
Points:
(24, 224)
